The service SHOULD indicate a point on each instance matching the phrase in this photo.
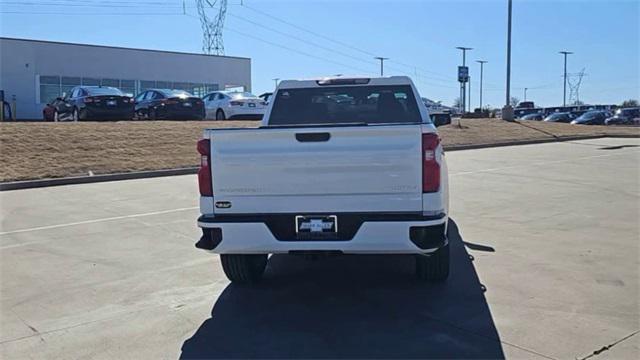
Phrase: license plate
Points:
(112, 103)
(187, 104)
(252, 105)
(317, 227)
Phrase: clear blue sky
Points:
(419, 36)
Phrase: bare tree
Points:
(514, 101)
(630, 103)
(457, 103)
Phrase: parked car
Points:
(626, 116)
(157, 104)
(535, 116)
(93, 102)
(221, 105)
(440, 119)
(49, 110)
(304, 182)
(525, 105)
(594, 117)
(561, 117)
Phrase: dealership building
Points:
(34, 72)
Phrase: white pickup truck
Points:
(339, 165)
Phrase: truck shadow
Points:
(351, 307)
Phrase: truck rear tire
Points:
(435, 267)
(244, 269)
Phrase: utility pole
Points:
(469, 96)
(276, 81)
(481, 62)
(382, 59)
(525, 94)
(564, 95)
(507, 110)
(463, 84)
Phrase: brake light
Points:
(236, 103)
(91, 99)
(170, 101)
(430, 165)
(205, 182)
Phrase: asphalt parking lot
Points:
(545, 265)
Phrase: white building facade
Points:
(34, 72)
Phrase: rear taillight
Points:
(170, 101)
(204, 173)
(236, 103)
(430, 165)
(91, 99)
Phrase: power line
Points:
(86, 13)
(344, 44)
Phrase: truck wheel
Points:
(435, 267)
(244, 269)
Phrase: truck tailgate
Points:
(317, 170)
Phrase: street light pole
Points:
(463, 85)
(382, 59)
(507, 110)
(564, 94)
(525, 94)
(481, 62)
(276, 81)
(469, 97)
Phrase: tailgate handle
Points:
(313, 137)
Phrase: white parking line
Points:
(98, 220)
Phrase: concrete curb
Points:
(29, 184)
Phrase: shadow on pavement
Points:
(351, 306)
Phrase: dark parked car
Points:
(155, 104)
(626, 116)
(93, 102)
(440, 119)
(594, 117)
(562, 117)
(536, 116)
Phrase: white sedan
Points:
(221, 105)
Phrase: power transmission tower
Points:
(575, 80)
(212, 42)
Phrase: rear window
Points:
(345, 104)
(97, 91)
(239, 95)
(176, 93)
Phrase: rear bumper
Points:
(360, 234)
(242, 112)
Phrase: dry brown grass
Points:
(50, 150)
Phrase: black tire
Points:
(220, 115)
(152, 114)
(435, 267)
(244, 269)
